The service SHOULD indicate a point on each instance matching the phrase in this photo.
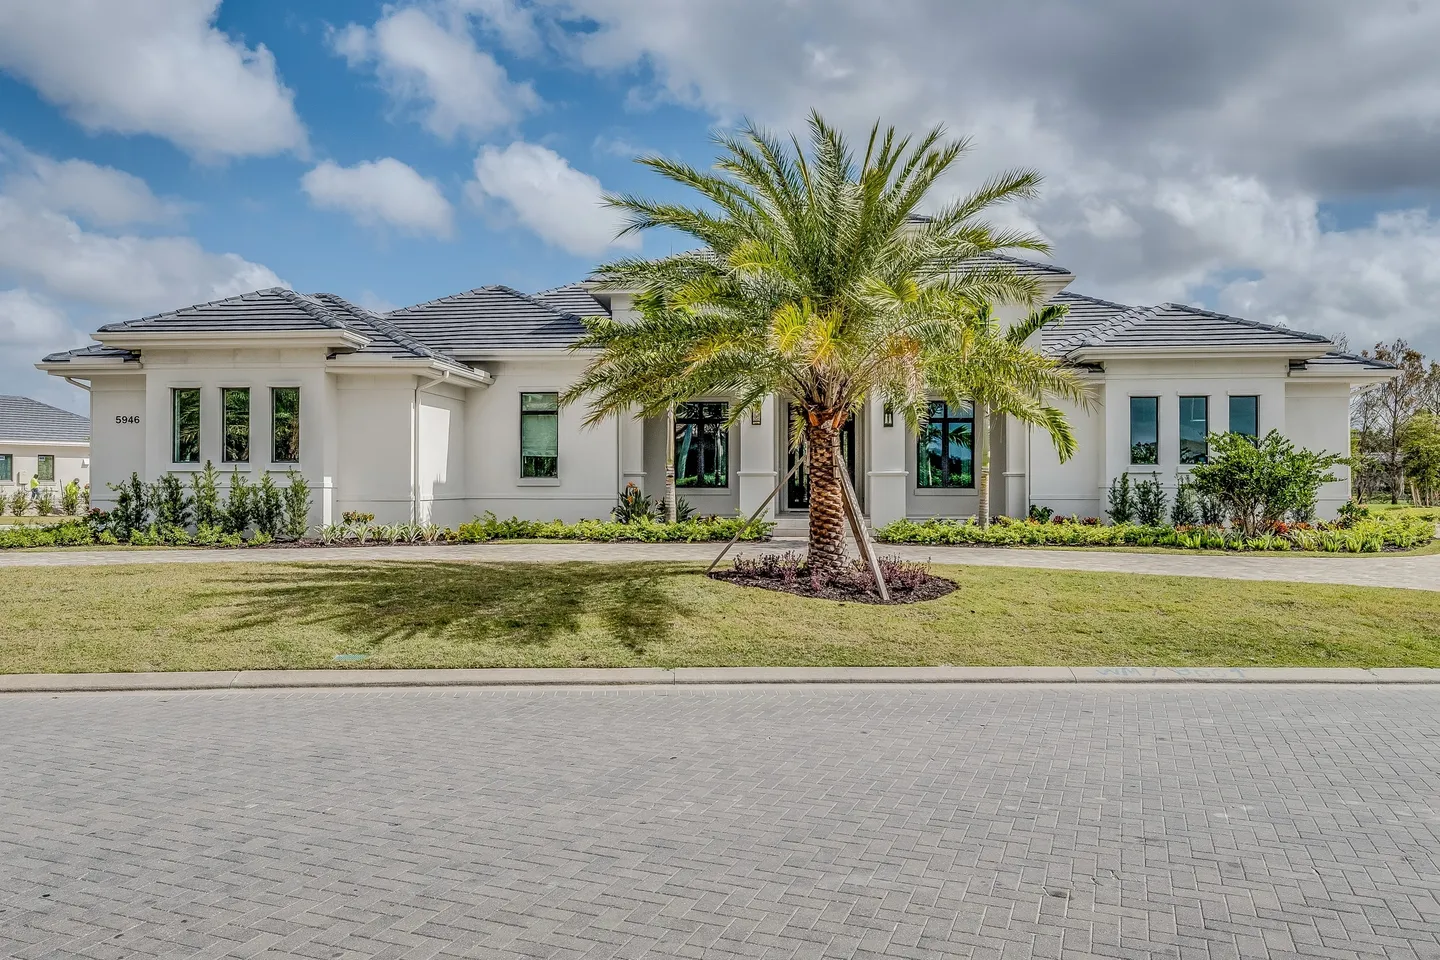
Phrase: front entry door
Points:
(797, 491)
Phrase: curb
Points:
(693, 676)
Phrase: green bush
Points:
(19, 502)
(644, 530)
(297, 505)
(1121, 500)
(1370, 535)
(205, 488)
(132, 510)
(70, 498)
(239, 505)
(45, 503)
(172, 504)
(66, 533)
(1261, 482)
(268, 508)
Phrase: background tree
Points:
(818, 284)
(1420, 456)
(1390, 406)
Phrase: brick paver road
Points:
(1027, 821)
(1413, 572)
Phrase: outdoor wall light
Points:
(755, 416)
(889, 416)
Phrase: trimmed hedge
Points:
(1368, 535)
(68, 533)
(489, 527)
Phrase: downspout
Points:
(415, 446)
(76, 383)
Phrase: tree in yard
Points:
(820, 284)
(1388, 407)
(1420, 455)
(995, 370)
(1260, 482)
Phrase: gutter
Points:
(76, 383)
(415, 445)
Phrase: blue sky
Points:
(154, 153)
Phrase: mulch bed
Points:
(929, 587)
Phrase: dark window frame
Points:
(1155, 454)
(7, 467)
(175, 438)
(540, 466)
(41, 460)
(1188, 458)
(947, 420)
(226, 425)
(700, 414)
(291, 455)
(1230, 412)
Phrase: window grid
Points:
(702, 455)
(7, 466)
(945, 447)
(45, 467)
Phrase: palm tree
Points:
(820, 284)
(999, 377)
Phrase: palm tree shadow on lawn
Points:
(517, 605)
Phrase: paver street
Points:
(982, 821)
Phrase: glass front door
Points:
(797, 491)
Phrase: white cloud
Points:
(28, 321)
(152, 66)
(437, 69)
(100, 195)
(382, 191)
(1180, 150)
(558, 203)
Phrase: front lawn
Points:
(455, 614)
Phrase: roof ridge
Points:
(563, 286)
(1201, 311)
(383, 325)
(1086, 296)
(445, 299)
(1105, 329)
(313, 308)
(561, 314)
(1052, 267)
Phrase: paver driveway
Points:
(760, 822)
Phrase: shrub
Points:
(45, 503)
(19, 502)
(66, 533)
(1150, 501)
(132, 511)
(261, 538)
(695, 530)
(1261, 482)
(267, 507)
(70, 498)
(208, 535)
(236, 516)
(297, 505)
(1041, 514)
(354, 516)
(1184, 512)
(632, 505)
(1122, 501)
(172, 503)
(85, 496)
(206, 487)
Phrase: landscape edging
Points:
(691, 676)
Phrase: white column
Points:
(758, 447)
(889, 480)
(1014, 504)
(632, 450)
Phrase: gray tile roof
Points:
(1336, 359)
(572, 298)
(1176, 326)
(486, 319)
(30, 420)
(1084, 313)
(92, 351)
(263, 311)
(386, 339)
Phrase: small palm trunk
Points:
(827, 503)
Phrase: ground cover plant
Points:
(429, 613)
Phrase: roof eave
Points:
(1211, 352)
(87, 365)
(1346, 374)
(323, 337)
(43, 443)
(359, 363)
(523, 353)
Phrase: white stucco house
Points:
(38, 440)
(445, 409)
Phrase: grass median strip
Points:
(457, 614)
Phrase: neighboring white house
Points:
(37, 439)
(448, 408)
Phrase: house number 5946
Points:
(127, 418)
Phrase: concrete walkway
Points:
(361, 678)
(1412, 572)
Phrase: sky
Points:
(1274, 159)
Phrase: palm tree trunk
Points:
(827, 502)
(984, 506)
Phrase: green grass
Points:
(455, 614)
(35, 518)
(1404, 509)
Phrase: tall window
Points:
(285, 424)
(235, 409)
(702, 445)
(1144, 430)
(185, 425)
(7, 466)
(1245, 416)
(945, 451)
(45, 467)
(539, 434)
(1194, 426)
